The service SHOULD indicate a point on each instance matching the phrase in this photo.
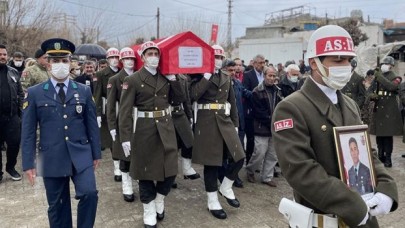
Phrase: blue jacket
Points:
(240, 92)
(69, 135)
(250, 82)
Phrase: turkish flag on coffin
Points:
(184, 53)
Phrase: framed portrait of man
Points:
(355, 158)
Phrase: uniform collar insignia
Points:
(74, 85)
(46, 86)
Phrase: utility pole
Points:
(98, 34)
(229, 33)
(158, 23)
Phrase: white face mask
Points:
(338, 76)
(293, 78)
(385, 68)
(60, 70)
(128, 63)
(218, 64)
(113, 62)
(152, 62)
(18, 63)
(77, 72)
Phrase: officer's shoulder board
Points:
(25, 104)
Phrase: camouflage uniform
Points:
(33, 75)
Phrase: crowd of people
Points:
(263, 116)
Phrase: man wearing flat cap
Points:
(36, 73)
(69, 145)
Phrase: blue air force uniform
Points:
(69, 143)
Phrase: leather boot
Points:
(226, 191)
(160, 206)
(214, 206)
(188, 171)
(117, 171)
(149, 214)
(127, 190)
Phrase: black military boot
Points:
(388, 162)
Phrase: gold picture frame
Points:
(356, 165)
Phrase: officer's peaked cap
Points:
(58, 47)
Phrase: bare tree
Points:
(88, 26)
(352, 27)
(27, 23)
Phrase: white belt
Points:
(153, 114)
(211, 106)
(324, 221)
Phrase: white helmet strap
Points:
(320, 67)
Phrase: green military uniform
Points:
(387, 116)
(213, 127)
(33, 75)
(355, 89)
(100, 92)
(303, 139)
(402, 100)
(114, 89)
(182, 114)
(153, 146)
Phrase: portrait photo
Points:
(355, 158)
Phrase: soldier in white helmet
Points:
(100, 82)
(147, 132)
(302, 128)
(216, 133)
(114, 89)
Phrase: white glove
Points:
(237, 130)
(365, 219)
(207, 76)
(171, 77)
(99, 121)
(113, 133)
(191, 123)
(380, 204)
(126, 146)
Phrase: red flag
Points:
(214, 34)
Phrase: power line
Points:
(134, 30)
(201, 21)
(189, 4)
(107, 10)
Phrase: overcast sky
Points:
(136, 17)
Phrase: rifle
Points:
(377, 85)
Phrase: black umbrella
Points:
(91, 50)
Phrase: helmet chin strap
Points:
(320, 67)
